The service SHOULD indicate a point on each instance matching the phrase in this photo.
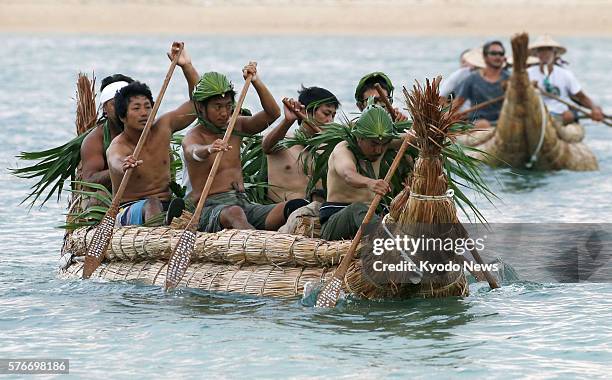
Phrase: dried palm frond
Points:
(437, 128)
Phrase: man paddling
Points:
(557, 80)
(94, 165)
(353, 176)
(366, 88)
(227, 205)
(147, 193)
(286, 175)
(485, 84)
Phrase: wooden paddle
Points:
(483, 105)
(104, 232)
(181, 255)
(328, 297)
(576, 108)
(302, 116)
(386, 101)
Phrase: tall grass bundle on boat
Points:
(423, 206)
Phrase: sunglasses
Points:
(496, 53)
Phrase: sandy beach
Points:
(411, 17)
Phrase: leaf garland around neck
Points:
(106, 137)
(216, 130)
(368, 171)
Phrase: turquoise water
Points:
(524, 329)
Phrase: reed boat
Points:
(273, 264)
(526, 135)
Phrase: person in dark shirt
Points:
(485, 84)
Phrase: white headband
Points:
(109, 91)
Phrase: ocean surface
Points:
(117, 330)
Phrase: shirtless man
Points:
(285, 171)
(147, 193)
(353, 175)
(94, 166)
(227, 205)
(365, 90)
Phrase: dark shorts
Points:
(210, 220)
(340, 221)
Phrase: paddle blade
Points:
(329, 295)
(99, 243)
(179, 261)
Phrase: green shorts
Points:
(210, 220)
(344, 223)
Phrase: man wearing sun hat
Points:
(469, 60)
(557, 80)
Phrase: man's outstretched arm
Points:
(271, 111)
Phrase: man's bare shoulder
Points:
(341, 149)
(119, 146)
(94, 137)
(162, 125)
(240, 122)
(194, 136)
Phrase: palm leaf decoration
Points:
(93, 214)
(318, 148)
(54, 166)
(463, 171)
(254, 169)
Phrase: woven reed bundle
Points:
(308, 226)
(421, 204)
(571, 133)
(228, 246)
(86, 112)
(260, 280)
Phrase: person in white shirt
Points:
(558, 80)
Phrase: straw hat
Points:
(474, 57)
(546, 41)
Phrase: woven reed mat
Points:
(260, 280)
(266, 280)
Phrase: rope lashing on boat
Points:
(544, 117)
(450, 193)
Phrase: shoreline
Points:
(458, 18)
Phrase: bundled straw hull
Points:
(261, 263)
(526, 134)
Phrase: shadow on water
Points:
(416, 319)
(521, 180)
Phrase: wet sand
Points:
(451, 17)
